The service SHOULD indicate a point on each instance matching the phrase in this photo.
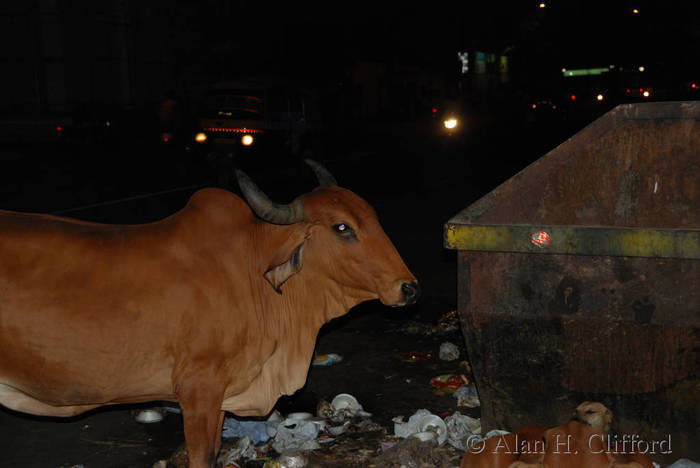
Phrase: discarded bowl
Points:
(300, 416)
(149, 416)
(345, 401)
(426, 436)
(434, 424)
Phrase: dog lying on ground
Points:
(580, 443)
(502, 451)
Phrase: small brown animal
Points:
(503, 451)
(594, 414)
(581, 443)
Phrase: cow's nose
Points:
(411, 292)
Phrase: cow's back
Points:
(95, 313)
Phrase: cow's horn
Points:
(265, 208)
(324, 177)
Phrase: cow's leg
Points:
(202, 416)
(217, 441)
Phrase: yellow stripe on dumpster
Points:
(576, 240)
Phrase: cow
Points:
(215, 307)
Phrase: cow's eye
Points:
(344, 230)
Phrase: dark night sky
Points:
(80, 45)
(311, 37)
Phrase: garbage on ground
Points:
(421, 421)
(292, 460)
(326, 359)
(448, 383)
(243, 450)
(345, 406)
(296, 434)
(449, 351)
(364, 425)
(413, 453)
(387, 445)
(257, 431)
(495, 433)
(413, 356)
(460, 428)
(324, 409)
(448, 323)
(467, 396)
(426, 436)
(273, 420)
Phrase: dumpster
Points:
(579, 279)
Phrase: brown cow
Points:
(211, 307)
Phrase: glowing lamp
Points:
(450, 124)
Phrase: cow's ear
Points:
(278, 274)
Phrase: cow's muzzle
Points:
(411, 293)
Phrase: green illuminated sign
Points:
(584, 71)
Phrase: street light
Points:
(450, 123)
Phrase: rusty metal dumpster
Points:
(579, 279)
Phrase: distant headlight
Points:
(247, 140)
(200, 137)
(450, 123)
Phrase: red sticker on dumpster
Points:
(540, 239)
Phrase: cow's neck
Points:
(307, 296)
